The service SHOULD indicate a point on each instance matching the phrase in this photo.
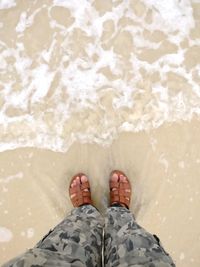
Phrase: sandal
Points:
(120, 189)
(80, 191)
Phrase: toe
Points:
(114, 177)
(84, 179)
(123, 178)
(77, 179)
(73, 184)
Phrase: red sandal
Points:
(120, 189)
(80, 193)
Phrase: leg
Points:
(76, 241)
(128, 244)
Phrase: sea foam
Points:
(86, 71)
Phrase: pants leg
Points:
(76, 241)
(128, 244)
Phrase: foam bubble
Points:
(5, 234)
(30, 232)
(5, 4)
(112, 70)
(182, 256)
(11, 178)
(174, 15)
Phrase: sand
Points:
(163, 166)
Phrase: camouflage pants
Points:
(78, 241)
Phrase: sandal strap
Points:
(120, 193)
(82, 201)
(85, 185)
(77, 189)
(121, 200)
(120, 184)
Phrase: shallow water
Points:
(96, 85)
(89, 70)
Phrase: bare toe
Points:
(123, 178)
(84, 178)
(73, 184)
(114, 177)
(77, 180)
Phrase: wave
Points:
(88, 71)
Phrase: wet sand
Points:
(162, 164)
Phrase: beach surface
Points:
(92, 86)
(164, 169)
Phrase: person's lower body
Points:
(128, 244)
(78, 241)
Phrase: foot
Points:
(79, 190)
(120, 189)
